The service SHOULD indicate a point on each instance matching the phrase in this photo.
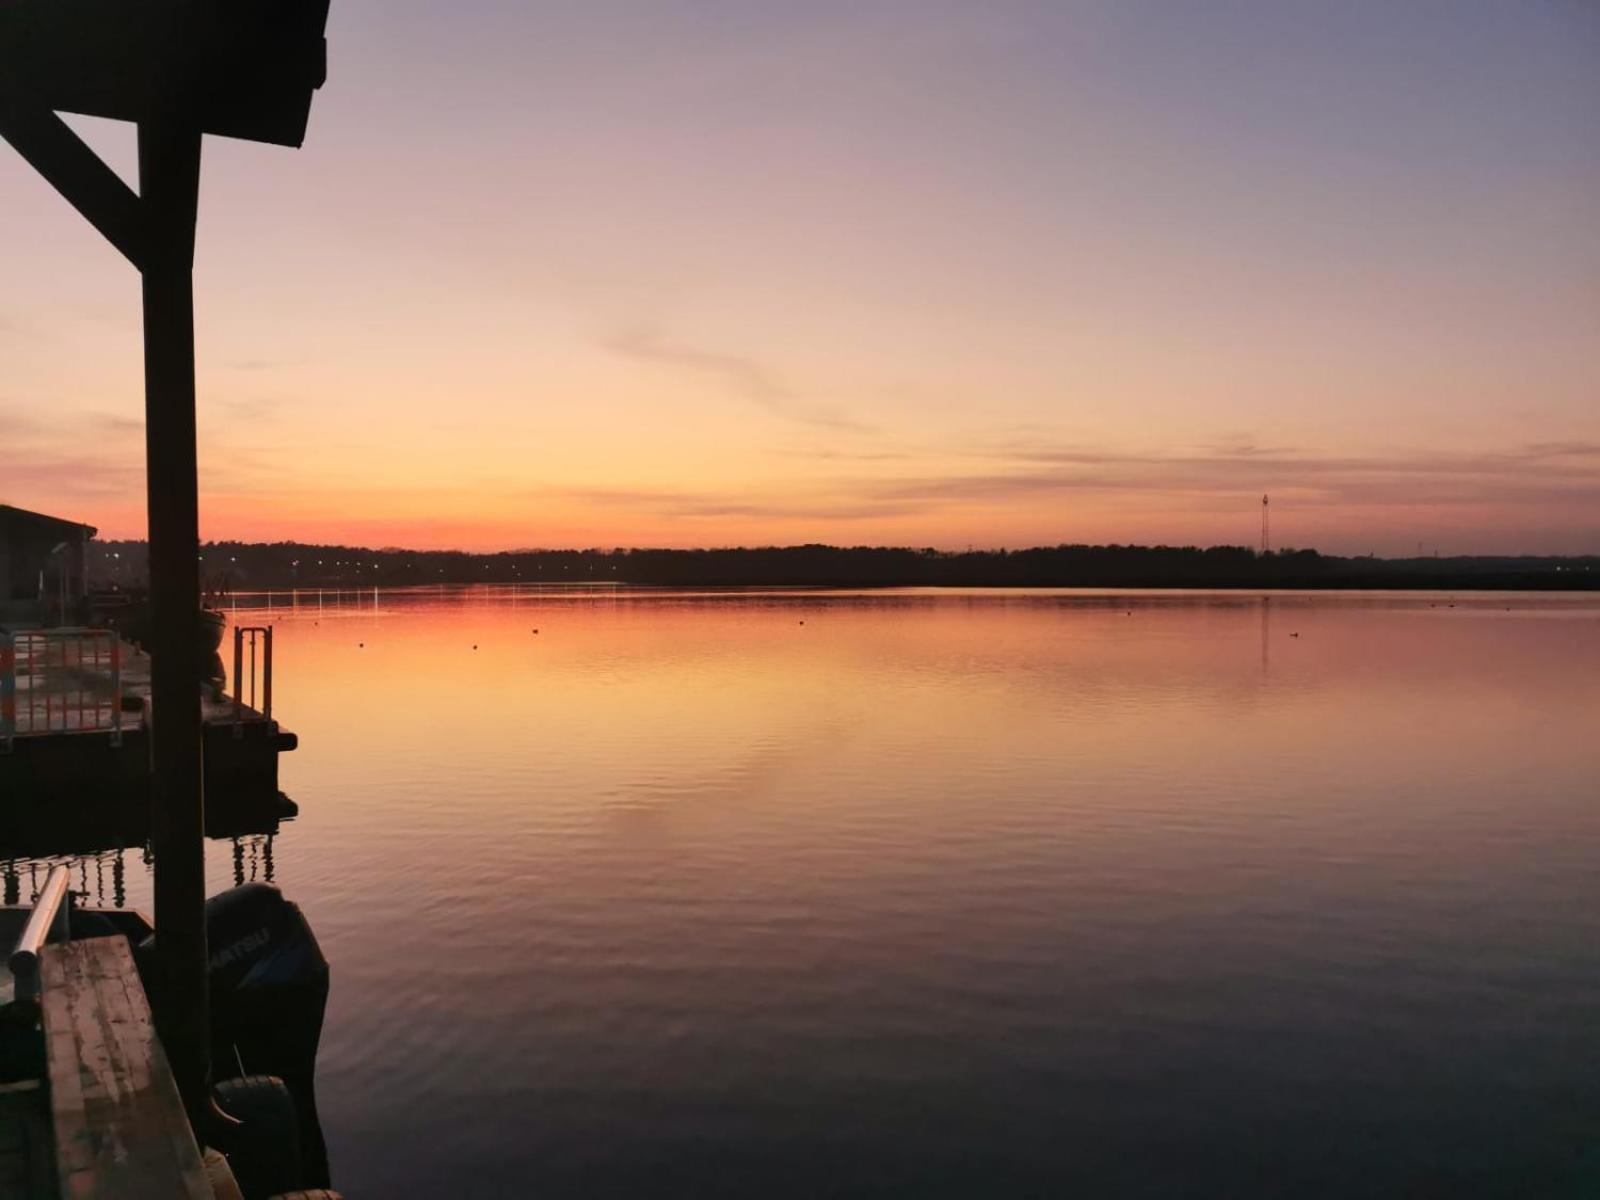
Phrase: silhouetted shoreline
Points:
(244, 565)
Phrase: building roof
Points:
(11, 516)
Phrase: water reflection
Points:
(923, 893)
(23, 877)
(798, 892)
(100, 878)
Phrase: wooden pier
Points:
(118, 1122)
(75, 713)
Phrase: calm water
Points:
(920, 894)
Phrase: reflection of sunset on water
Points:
(775, 854)
(685, 843)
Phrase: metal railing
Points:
(252, 666)
(49, 922)
(60, 681)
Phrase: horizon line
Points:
(1283, 551)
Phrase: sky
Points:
(934, 273)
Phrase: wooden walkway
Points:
(120, 1129)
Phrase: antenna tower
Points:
(1265, 543)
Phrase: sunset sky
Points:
(740, 271)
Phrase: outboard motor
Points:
(269, 987)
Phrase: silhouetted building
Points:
(42, 567)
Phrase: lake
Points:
(913, 893)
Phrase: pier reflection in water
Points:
(100, 880)
(97, 879)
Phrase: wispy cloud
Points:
(744, 376)
(15, 422)
(241, 408)
(83, 459)
(747, 503)
(1537, 476)
(1534, 473)
(1562, 450)
(259, 364)
(115, 425)
(89, 464)
(827, 454)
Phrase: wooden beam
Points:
(120, 1127)
(91, 187)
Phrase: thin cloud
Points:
(1242, 446)
(91, 457)
(117, 425)
(745, 376)
(247, 408)
(822, 454)
(15, 423)
(1530, 474)
(1541, 450)
(259, 364)
(1537, 475)
(743, 504)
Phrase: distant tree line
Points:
(254, 565)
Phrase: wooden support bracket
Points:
(91, 187)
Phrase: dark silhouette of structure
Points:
(43, 566)
(178, 69)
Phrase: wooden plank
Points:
(120, 1129)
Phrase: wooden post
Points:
(169, 183)
(266, 674)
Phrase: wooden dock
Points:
(75, 714)
(118, 1124)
